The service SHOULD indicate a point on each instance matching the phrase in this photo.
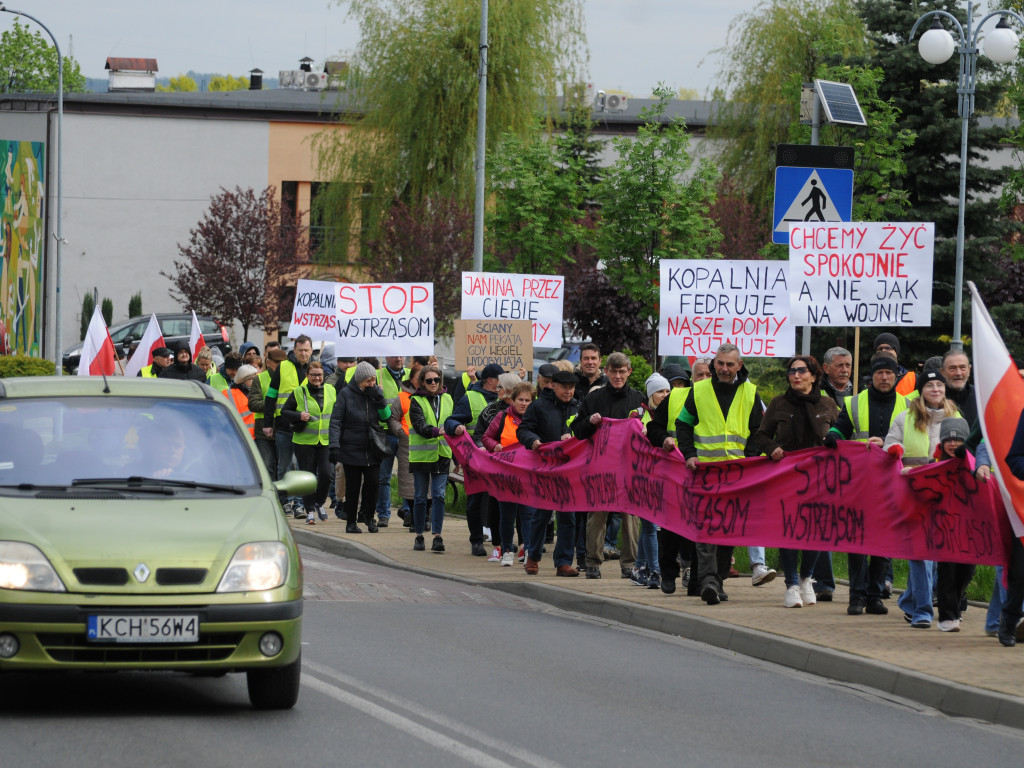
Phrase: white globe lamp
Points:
(936, 45)
(1001, 43)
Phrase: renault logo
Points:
(141, 572)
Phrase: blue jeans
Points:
(534, 532)
(756, 555)
(611, 536)
(566, 524)
(995, 605)
(824, 579)
(285, 460)
(435, 482)
(647, 547)
(788, 559)
(917, 600)
(384, 492)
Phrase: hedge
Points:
(23, 365)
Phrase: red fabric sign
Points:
(849, 499)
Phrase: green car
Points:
(139, 530)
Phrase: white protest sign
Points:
(861, 273)
(313, 312)
(383, 319)
(706, 303)
(538, 298)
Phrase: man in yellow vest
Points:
(162, 357)
(867, 418)
(718, 417)
(266, 444)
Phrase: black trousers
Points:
(670, 547)
(951, 586)
(1014, 584)
(367, 480)
(867, 576)
(476, 506)
(314, 458)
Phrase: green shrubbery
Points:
(23, 365)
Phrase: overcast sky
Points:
(634, 44)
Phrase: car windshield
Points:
(50, 442)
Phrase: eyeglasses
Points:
(431, 381)
(799, 370)
(885, 348)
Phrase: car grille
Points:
(106, 577)
(174, 577)
(72, 648)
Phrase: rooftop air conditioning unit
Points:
(315, 81)
(615, 103)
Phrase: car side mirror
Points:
(296, 483)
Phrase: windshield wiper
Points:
(34, 487)
(137, 481)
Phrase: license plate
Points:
(143, 629)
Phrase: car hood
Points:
(185, 533)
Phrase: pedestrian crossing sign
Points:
(810, 194)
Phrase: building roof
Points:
(131, 65)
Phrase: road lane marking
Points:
(462, 751)
(530, 758)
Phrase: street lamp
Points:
(936, 46)
(58, 235)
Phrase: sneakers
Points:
(287, 508)
(686, 576)
(497, 557)
(487, 533)
(654, 580)
(521, 557)
(311, 518)
(709, 594)
(321, 512)
(668, 586)
(418, 543)
(506, 559)
(638, 576)
(761, 574)
(807, 591)
(371, 526)
(477, 549)
(887, 590)
(611, 553)
(793, 597)
(856, 606)
(825, 596)
(437, 545)
(950, 625)
(921, 624)
(298, 512)
(593, 573)
(382, 522)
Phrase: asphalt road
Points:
(404, 670)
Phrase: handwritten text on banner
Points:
(848, 499)
(861, 273)
(707, 303)
(313, 312)
(538, 298)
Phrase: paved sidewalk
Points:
(965, 673)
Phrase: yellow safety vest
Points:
(477, 403)
(147, 372)
(676, 401)
(318, 427)
(429, 449)
(915, 443)
(857, 408)
(720, 437)
(218, 382)
(387, 382)
(264, 381)
(289, 381)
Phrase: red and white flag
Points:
(98, 355)
(151, 339)
(196, 340)
(1000, 392)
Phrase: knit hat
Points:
(655, 383)
(924, 378)
(245, 372)
(953, 428)
(364, 371)
(885, 363)
(508, 380)
(887, 338)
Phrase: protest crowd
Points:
(358, 422)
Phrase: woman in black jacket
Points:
(359, 408)
(798, 418)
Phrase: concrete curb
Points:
(945, 696)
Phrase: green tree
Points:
(654, 205)
(179, 84)
(88, 307)
(135, 305)
(776, 44)
(228, 83)
(416, 76)
(925, 97)
(107, 310)
(28, 62)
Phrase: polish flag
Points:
(98, 356)
(151, 339)
(1000, 392)
(196, 340)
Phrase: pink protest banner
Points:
(849, 499)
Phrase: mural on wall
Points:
(22, 241)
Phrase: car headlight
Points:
(24, 566)
(258, 566)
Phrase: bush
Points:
(22, 365)
(107, 310)
(88, 307)
(135, 305)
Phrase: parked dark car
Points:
(176, 327)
